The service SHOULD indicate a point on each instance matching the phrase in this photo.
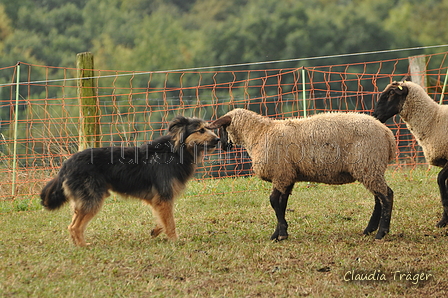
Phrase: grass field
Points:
(224, 248)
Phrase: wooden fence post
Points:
(88, 105)
(417, 69)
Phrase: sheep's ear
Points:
(223, 121)
(406, 78)
(401, 90)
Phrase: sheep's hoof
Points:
(278, 237)
(280, 233)
(442, 223)
(380, 235)
(368, 231)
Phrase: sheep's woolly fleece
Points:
(333, 148)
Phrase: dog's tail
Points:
(52, 195)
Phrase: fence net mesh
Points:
(134, 107)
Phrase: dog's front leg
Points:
(164, 212)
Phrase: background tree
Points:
(161, 34)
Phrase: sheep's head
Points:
(222, 124)
(391, 101)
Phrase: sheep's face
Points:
(222, 124)
(391, 101)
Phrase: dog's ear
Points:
(178, 130)
(178, 125)
(223, 121)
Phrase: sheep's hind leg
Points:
(375, 218)
(442, 180)
(279, 201)
(386, 213)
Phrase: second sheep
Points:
(428, 122)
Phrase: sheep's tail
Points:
(52, 195)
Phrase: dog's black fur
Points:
(155, 172)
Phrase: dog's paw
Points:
(156, 232)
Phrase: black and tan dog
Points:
(155, 172)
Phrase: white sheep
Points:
(332, 148)
(427, 121)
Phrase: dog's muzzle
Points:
(214, 143)
(211, 145)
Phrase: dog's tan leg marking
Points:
(78, 226)
(163, 211)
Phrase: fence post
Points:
(443, 88)
(304, 92)
(16, 124)
(417, 69)
(88, 106)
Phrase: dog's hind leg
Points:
(163, 210)
(79, 223)
(81, 218)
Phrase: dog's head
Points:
(193, 133)
(221, 124)
(391, 101)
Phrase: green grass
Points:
(224, 248)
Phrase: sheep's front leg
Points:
(387, 202)
(442, 180)
(279, 201)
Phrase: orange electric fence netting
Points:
(135, 107)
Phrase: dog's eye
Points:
(202, 130)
